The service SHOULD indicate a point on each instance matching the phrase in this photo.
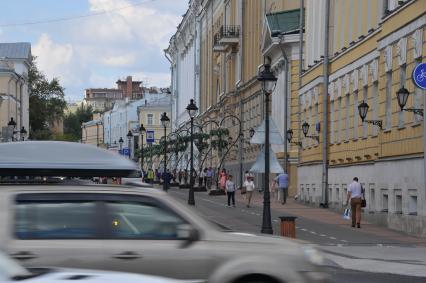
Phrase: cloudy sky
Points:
(97, 41)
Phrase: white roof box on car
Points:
(53, 158)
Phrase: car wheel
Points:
(257, 278)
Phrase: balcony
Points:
(227, 37)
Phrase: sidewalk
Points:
(327, 216)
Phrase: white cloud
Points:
(52, 58)
(153, 79)
(118, 61)
(148, 25)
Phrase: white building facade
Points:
(184, 53)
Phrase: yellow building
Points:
(150, 117)
(14, 96)
(373, 48)
(93, 131)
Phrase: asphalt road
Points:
(331, 237)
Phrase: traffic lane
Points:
(250, 220)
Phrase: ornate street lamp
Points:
(23, 133)
(363, 110)
(305, 130)
(165, 121)
(142, 132)
(129, 139)
(290, 137)
(121, 141)
(12, 125)
(402, 96)
(192, 111)
(268, 81)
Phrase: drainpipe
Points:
(325, 107)
(301, 19)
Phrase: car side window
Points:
(55, 220)
(139, 220)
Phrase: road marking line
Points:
(323, 235)
(344, 241)
(312, 232)
(303, 229)
(332, 238)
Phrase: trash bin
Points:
(288, 226)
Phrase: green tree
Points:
(73, 121)
(47, 103)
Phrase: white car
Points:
(11, 271)
(127, 228)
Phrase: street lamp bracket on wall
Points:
(305, 130)
(362, 110)
(402, 97)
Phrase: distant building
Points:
(102, 99)
(93, 131)
(15, 59)
(130, 89)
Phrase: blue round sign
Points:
(419, 75)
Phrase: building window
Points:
(150, 118)
(356, 116)
(365, 98)
(402, 78)
(332, 122)
(375, 101)
(316, 118)
(339, 121)
(388, 104)
(348, 116)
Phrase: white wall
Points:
(314, 46)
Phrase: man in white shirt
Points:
(355, 196)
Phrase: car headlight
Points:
(313, 256)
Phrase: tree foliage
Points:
(47, 103)
(73, 121)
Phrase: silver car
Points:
(133, 229)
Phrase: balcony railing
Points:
(226, 37)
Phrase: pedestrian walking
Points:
(230, 191)
(223, 177)
(209, 178)
(282, 181)
(355, 197)
(249, 186)
(205, 177)
(201, 178)
(150, 176)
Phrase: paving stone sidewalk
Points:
(328, 216)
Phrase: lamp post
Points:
(165, 121)
(268, 80)
(121, 141)
(362, 110)
(23, 133)
(129, 142)
(192, 111)
(142, 132)
(402, 96)
(12, 125)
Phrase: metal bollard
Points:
(288, 226)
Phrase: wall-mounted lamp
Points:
(362, 110)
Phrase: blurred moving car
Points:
(128, 228)
(11, 271)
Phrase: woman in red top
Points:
(223, 177)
